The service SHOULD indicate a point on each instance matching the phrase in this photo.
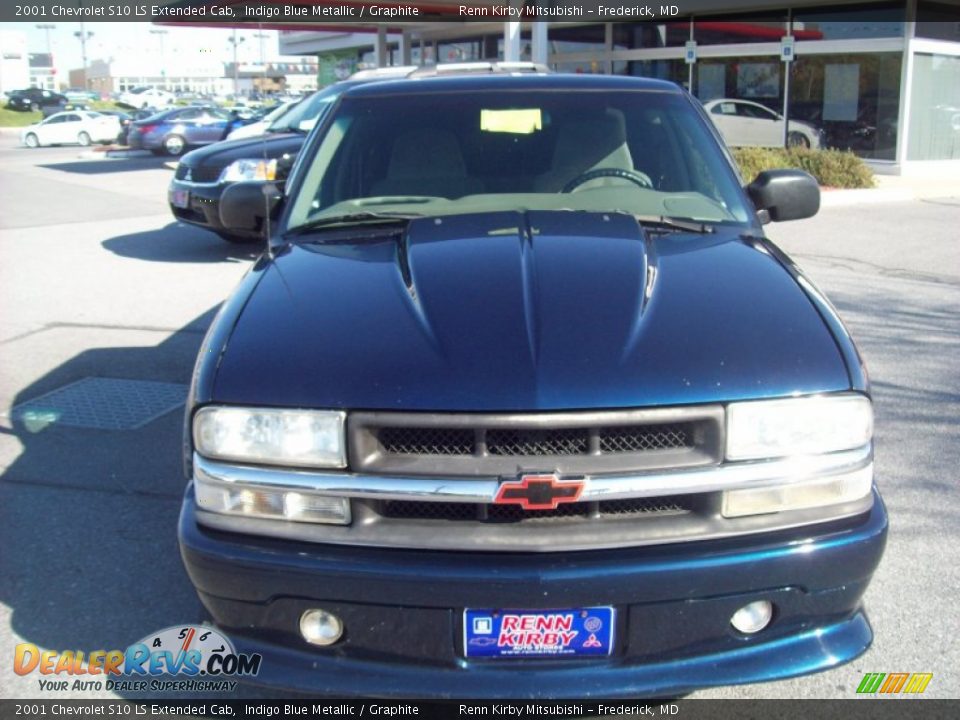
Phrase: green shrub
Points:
(18, 118)
(831, 168)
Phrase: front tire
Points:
(32, 141)
(174, 145)
(797, 140)
(84, 139)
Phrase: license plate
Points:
(580, 632)
(180, 198)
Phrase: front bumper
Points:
(403, 610)
(202, 207)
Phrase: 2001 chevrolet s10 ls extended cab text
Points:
(521, 402)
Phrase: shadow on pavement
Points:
(88, 544)
(181, 243)
(107, 166)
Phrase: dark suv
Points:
(203, 174)
(521, 402)
(34, 98)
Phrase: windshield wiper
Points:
(662, 223)
(351, 219)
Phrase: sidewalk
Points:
(893, 188)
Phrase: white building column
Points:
(405, 48)
(511, 36)
(607, 48)
(540, 46)
(511, 41)
(380, 47)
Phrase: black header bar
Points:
(865, 708)
(392, 13)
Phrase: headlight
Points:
(798, 426)
(262, 501)
(249, 170)
(297, 438)
(807, 494)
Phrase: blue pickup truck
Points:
(521, 402)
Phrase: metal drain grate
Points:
(103, 404)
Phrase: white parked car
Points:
(147, 97)
(742, 122)
(74, 126)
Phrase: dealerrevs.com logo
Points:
(201, 658)
(894, 683)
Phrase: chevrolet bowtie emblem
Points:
(538, 492)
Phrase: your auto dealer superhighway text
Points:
(564, 710)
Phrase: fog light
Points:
(751, 618)
(320, 627)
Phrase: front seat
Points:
(586, 144)
(427, 161)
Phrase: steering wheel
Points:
(634, 176)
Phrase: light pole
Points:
(47, 27)
(261, 36)
(236, 69)
(84, 36)
(163, 61)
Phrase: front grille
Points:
(470, 512)
(426, 441)
(206, 173)
(572, 441)
(649, 437)
(504, 445)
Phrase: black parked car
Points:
(37, 99)
(203, 174)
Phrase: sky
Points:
(116, 39)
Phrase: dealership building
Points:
(881, 79)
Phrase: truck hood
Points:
(526, 311)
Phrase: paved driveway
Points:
(97, 281)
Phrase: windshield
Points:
(304, 116)
(642, 152)
(278, 112)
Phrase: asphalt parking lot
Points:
(97, 281)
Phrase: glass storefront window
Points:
(741, 28)
(744, 98)
(849, 22)
(938, 20)
(759, 79)
(577, 39)
(584, 67)
(465, 51)
(630, 36)
(673, 70)
(934, 108)
(854, 99)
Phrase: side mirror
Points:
(785, 195)
(285, 165)
(246, 205)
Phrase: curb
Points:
(842, 198)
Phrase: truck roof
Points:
(504, 81)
